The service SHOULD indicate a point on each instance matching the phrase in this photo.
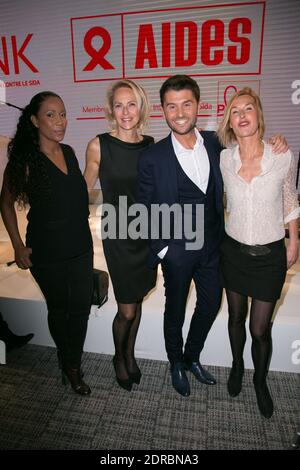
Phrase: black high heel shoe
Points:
(136, 377)
(234, 383)
(75, 379)
(124, 383)
(264, 400)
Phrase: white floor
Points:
(22, 304)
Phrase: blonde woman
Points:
(261, 198)
(113, 158)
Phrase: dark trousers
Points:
(3, 328)
(67, 287)
(180, 267)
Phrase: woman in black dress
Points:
(45, 174)
(113, 158)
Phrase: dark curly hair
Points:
(26, 171)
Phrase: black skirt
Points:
(258, 272)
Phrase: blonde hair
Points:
(224, 132)
(141, 97)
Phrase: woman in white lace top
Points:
(261, 198)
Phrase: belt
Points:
(255, 250)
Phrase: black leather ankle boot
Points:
(60, 362)
(123, 383)
(73, 375)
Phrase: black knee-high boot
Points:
(69, 334)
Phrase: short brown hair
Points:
(225, 133)
(178, 83)
(141, 97)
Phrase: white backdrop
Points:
(77, 48)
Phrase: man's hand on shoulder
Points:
(279, 143)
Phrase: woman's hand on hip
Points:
(22, 257)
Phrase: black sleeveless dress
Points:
(127, 259)
(58, 227)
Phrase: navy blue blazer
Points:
(157, 181)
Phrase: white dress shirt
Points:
(195, 164)
(258, 210)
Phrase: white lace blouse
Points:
(257, 211)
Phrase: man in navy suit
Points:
(184, 169)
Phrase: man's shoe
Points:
(179, 379)
(200, 373)
(14, 341)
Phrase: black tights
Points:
(260, 328)
(125, 328)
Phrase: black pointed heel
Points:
(123, 383)
(136, 377)
(235, 380)
(264, 400)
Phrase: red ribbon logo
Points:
(98, 56)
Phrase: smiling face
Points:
(50, 120)
(244, 116)
(180, 110)
(126, 109)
